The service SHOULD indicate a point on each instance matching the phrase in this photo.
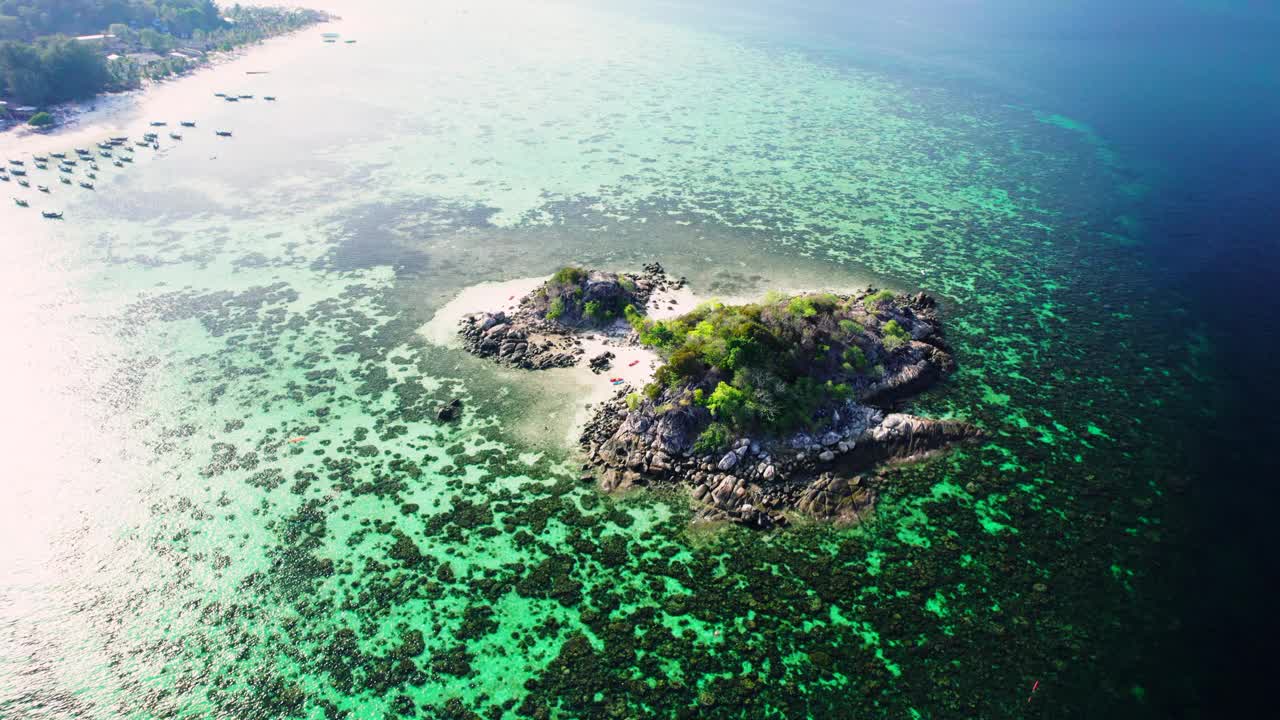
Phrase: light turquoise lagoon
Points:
(227, 495)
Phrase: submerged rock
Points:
(450, 411)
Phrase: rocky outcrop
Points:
(517, 344)
(536, 337)
(865, 352)
(764, 482)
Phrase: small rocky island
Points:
(765, 411)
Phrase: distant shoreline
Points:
(67, 115)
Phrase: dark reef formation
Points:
(764, 411)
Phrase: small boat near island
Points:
(105, 153)
(18, 173)
(42, 166)
(19, 163)
(91, 176)
(58, 155)
(117, 163)
(24, 183)
(65, 180)
(120, 139)
(50, 214)
(175, 136)
(232, 98)
(43, 188)
(4, 178)
(158, 123)
(93, 166)
(125, 158)
(246, 97)
(40, 158)
(269, 98)
(70, 163)
(224, 133)
(221, 95)
(86, 185)
(349, 42)
(188, 123)
(21, 203)
(105, 146)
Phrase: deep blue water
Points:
(1188, 95)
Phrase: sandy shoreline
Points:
(633, 364)
(85, 122)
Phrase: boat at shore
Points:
(42, 166)
(117, 163)
(18, 173)
(232, 98)
(224, 133)
(65, 180)
(43, 188)
(221, 95)
(125, 158)
(188, 123)
(21, 203)
(58, 155)
(18, 163)
(40, 158)
(269, 98)
(175, 136)
(158, 123)
(52, 215)
(24, 183)
(86, 185)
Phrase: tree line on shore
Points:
(42, 63)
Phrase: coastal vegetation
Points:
(770, 366)
(58, 50)
(575, 297)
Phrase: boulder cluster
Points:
(763, 482)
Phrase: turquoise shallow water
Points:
(175, 554)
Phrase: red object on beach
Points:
(298, 439)
(1034, 687)
(633, 363)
